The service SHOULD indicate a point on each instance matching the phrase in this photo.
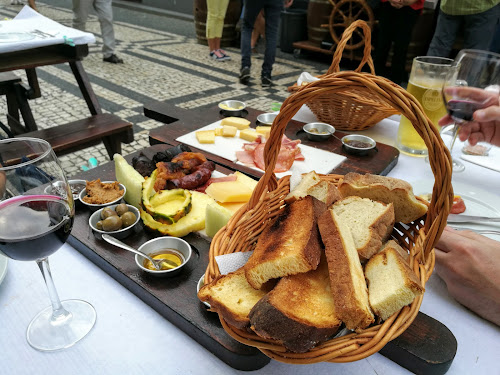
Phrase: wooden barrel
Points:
(318, 13)
(229, 34)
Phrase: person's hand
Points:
(288, 3)
(401, 3)
(485, 126)
(469, 264)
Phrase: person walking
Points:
(396, 21)
(104, 12)
(479, 18)
(216, 11)
(272, 13)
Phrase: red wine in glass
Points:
(461, 110)
(33, 226)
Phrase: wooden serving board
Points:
(427, 347)
(181, 122)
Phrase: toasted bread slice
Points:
(370, 222)
(385, 189)
(231, 296)
(289, 245)
(299, 311)
(392, 284)
(310, 184)
(393, 244)
(347, 281)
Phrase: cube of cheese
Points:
(264, 130)
(229, 191)
(229, 131)
(218, 131)
(205, 136)
(238, 122)
(249, 135)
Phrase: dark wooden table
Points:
(77, 134)
(179, 121)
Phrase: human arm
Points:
(469, 264)
(401, 3)
(485, 126)
(288, 3)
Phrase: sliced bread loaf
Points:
(289, 245)
(370, 222)
(231, 296)
(385, 189)
(299, 311)
(310, 184)
(392, 284)
(347, 281)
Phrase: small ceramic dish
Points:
(232, 107)
(76, 187)
(94, 207)
(266, 118)
(318, 131)
(159, 244)
(199, 285)
(358, 144)
(121, 233)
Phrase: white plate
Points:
(3, 267)
(316, 159)
(478, 202)
(15, 37)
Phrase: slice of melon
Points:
(132, 180)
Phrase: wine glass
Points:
(471, 84)
(36, 218)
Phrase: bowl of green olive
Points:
(117, 220)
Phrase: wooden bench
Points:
(76, 135)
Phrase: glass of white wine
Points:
(425, 84)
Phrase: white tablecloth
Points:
(28, 21)
(131, 338)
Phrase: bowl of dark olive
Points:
(118, 220)
(232, 107)
(358, 144)
(76, 187)
(173, 249)
(318, 131)
(266, 118)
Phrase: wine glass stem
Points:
(59, 313)
(456, 127)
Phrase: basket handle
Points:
(346, 35)
(399, 99)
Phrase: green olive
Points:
(98, 225)
(128, 218)
(111, 223)
(107, 211)
(121, 209)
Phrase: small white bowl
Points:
(94, 207)
(327, 130)
(121, 233)
(266, 118)
(155, 246)
(76, 187)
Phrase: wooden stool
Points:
(17, 102)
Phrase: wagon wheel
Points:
(346, 12)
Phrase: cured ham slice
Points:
(253, 154)
(212, 180)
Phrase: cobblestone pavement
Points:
(159, 65)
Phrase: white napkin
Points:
(492, 161)
(231, 262)
(306, 77)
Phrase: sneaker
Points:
(224, 53)
(245, 75)
(266, 81)
(218, 56)
(113, 59)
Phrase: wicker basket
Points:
(267, 201)
(349, 109)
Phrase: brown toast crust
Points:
(299, 311)
(351, 299)
(289, 245)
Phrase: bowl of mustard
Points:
(175, 250)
